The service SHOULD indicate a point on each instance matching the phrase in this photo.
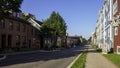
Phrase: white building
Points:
(108, 27)
(98, 30)
(104, 31)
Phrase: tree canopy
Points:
(8, 6)
(54, 25)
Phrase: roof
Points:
(18, 19)
(39, 22)
(74, 37)
(34, 23)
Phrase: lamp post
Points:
(66, 39)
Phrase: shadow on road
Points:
(41, 56)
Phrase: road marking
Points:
(69, 66)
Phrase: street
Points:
(55, 59)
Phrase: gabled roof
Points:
(34, 23)
(39, 22)
(18, 19)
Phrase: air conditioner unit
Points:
(118, 49)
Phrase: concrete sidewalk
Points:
(96, 60)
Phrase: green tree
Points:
(24, 16)
(84, 41)
(89, 40)
(8, 6)
(54, 27)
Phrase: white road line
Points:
(69, 66)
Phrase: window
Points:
(32, 32)
(23, 27)
(118, 49)
(24, 40)
(11, 25)
(18, 27)
(115, 7)
(18, 14)
(18, 40)
(14, 14)
(2, 24)
(36, 32)
(116, 31)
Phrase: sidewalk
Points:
(96, 60)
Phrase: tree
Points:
(89, 40)
(26, 17)
(84, 41)
(8, 6)
(54, 27)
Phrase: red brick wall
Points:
(117, 40)
(14, 32)
(118, 1)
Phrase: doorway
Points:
(29, 43)
(3, 41)
(9, 41)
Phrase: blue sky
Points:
(80, 15)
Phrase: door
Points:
(29, 43)
(3, 41)
(9, 41)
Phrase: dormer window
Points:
(2, 24)
(10, 25)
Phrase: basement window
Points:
(118, 49)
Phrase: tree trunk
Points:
(54, 41)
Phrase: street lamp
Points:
(66, 39)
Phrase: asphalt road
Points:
(41, 59)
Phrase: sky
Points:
(79, 15)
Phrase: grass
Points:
(80, 63)
(114, 58)
(96, 48)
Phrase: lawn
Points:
(80, 63)
(114, 58)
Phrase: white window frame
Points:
(116, 31)
(118, 47)
(115, 7)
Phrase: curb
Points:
(4, 57)
(14, 53)
(70, 65)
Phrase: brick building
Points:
(116, 23)
(16, 32)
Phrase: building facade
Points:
(93, 39)
(16, 32)
(98, 31)
(116, 25)
(104, 29)
(108, 26)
